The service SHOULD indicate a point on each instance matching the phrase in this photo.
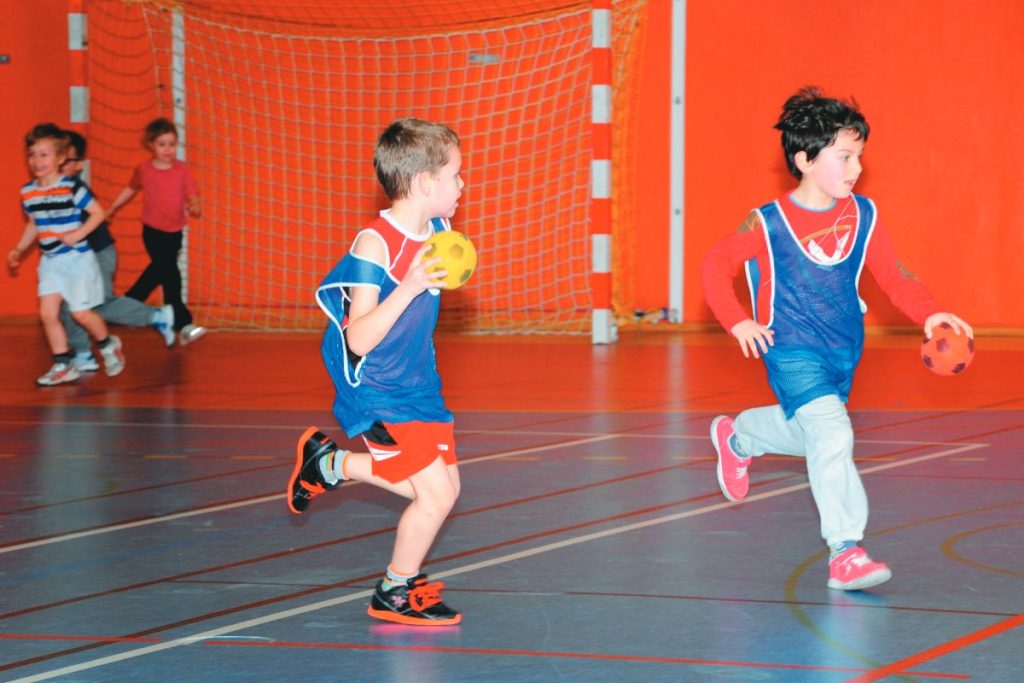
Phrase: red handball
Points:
(947, 353)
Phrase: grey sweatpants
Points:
(820, 432)
(119, 310)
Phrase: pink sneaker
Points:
(853, 570)
(732, 469)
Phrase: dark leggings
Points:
(162, 271)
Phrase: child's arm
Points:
(719, 270)
(370, 320)
(126, 195)
(194, 206)
(903, 288)
(28, 237)
(96, 216)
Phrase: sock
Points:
(332, 467)
(735, 446)
(102, 343)
(837, 549)
(65, 357)
(393, 578)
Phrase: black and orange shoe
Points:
(306, 482)
(417, 603)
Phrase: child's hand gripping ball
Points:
(457, 254)
(947, 353)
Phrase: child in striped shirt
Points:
(68, 271)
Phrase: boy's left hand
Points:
(958, 325)
(419, 277)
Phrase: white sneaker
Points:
(85, 362)
(60, 373)
(113, 357)
(163, 323)
(191, 333)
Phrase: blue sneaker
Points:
(163, 322)
(85, 362)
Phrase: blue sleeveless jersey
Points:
(398, 380)
(817, 314)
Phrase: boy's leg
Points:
(434, 496)
(123, 310)
(49, 316)
(92, 322)
(106, 259)
(766, 430)
(839, 494)
(359, 467)
(120, 310)
(109, 344)
(151, 277)
(321, 466)
(835, 483)
(405, 595)
(170, 277)
(753, 432)
(78, 338)
(63, 369)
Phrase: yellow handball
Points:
(458, 256)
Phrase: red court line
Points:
(356, 580)
(562, 655)
(940, 650)
(347, 582)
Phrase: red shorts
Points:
(401, 449)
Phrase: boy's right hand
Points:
(751, 336)
(13, 261)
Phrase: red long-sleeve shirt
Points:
(830, 231)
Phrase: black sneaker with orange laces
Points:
(417, 603)
(306, 482)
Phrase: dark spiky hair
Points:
(810, 122)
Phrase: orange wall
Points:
(34, 87)
(937, 80)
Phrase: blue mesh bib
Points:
(398, 380)
(816, 311)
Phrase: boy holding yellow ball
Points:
(382, 300)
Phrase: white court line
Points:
(530, 432)
(264, 499)
(484, 458)
(502, 559)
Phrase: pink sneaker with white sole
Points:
(853, 570)
(732, 469)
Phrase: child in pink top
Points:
(169, 195)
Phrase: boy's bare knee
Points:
(438, 503)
